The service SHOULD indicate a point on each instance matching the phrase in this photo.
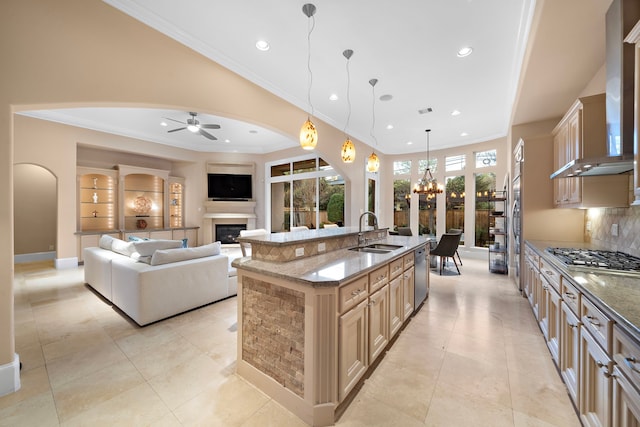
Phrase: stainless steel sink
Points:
(370, 250)
(376, 248)
(384, 246)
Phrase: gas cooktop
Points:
(597, 259)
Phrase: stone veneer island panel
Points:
(273, 332)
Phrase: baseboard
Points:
(33, 257)
(65, 263)
(10, 376)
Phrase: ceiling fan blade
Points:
(207, 135)
(210, 126)
(176, 129)
(174, 120)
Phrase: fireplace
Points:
(227, 233)
(226, 213)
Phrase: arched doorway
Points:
(35, 213)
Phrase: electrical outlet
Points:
(299, 251)
(614, 230)
(322, 247)
(588, 225)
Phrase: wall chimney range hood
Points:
(620, 66)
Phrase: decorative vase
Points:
(141, 224)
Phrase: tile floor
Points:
(472, 356)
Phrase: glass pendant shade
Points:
(373, 163)
(308, 135)
(348, 151)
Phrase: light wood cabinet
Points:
(626, 379)
(396, 305)
(353, 353)
(582, 133)
(378, 322)
(408, 292)
(570, 350)
(634, 37)
(595, 382)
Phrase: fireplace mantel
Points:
(227, 212)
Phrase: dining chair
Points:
(446, 248)
(456, 231)
(405, 231)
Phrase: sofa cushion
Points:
(148, 247)
(122, 247)
(166, 256)
(106, 241)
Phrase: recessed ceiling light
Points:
(227, 141)
(464, 134)
(465, 51)
(262, 45)
(409, 142)
(455, 113)
(163, 124)
(386, 97)
(389, 126)
(333, 97)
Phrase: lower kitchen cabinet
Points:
(569, 350)
(408, 292)
(378, 322)
(626, 401)
(353, 354)
(532, 285)
(594, 382)
(396, 306)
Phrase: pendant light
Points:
(308, 132)
(348, 152)
(428, 184)
(373, 162)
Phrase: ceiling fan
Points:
(193, 125)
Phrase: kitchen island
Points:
(315, 316)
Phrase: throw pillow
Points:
(122, 247)
(166, 256)
(185, 243)
(148, 247)
(105, 242)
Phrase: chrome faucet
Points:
(361, 238)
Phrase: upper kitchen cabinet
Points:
(582, 133)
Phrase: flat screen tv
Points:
(222, 186)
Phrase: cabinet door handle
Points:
(570, 295)
(604, 367)
(574, 326)
(357, 292)
(594, 321)
(630, 362)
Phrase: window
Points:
(485, 159)
(455, 196)
(485, 182)
(427, 214)
(305, 192)
(402, 167)
(455, 163)
(422, 166)
(401, 203)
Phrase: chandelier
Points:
(308, 132)
(428, 184)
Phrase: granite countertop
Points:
(286, 238)
(332, 268)
(617, 294)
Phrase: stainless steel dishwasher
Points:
(421, 280)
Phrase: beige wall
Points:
(35, 205)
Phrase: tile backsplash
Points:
(602, 221)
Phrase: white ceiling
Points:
(408, 45)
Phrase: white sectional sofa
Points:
(153, 280)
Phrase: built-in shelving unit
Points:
(498, 237)
(97, 200)
(176, 202)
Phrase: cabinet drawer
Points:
(626, 354)
(352, 293)
(571, 296)
(599, 325)
(378, 278)
(409, 260)
(532, 255)
(395, 267)
(550, 273)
